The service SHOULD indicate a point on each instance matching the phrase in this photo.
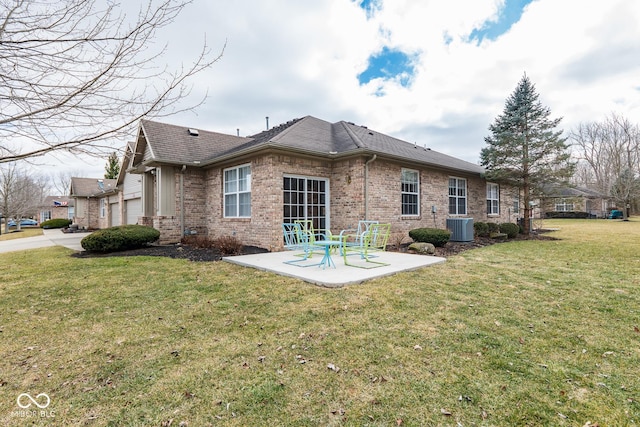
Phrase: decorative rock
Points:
(423, 248)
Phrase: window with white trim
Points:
(564, 206)
(493, 199)
(410, 189)
(103, 208)
(457, 196)
(237, 192)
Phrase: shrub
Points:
(56, 223)
(493, 227)
(226, 245)
(436, 236)
(120, 238)
(481, 229)
(556, 214)
(510, 229)
(196, 241)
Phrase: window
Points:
(103, 208)
(237, 192)
(70, 212)
(493, 199)
(410, 189)
(564, 206)
(457, 196)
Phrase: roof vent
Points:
(193, 132)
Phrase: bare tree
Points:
(21, 193)
(611, 150)
(60, 182)
(77, 74)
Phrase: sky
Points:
(432, 72)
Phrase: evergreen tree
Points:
(524, 150)
(112, 168)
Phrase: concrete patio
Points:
(333, 277)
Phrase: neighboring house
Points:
(332, 173)
(130, 186)
(569, 200)
(56, 207)
(96, 202)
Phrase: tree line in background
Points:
(608, 154)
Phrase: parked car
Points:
(616, 214)
(23, 222)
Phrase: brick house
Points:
(215, 184)
(56, 207)
(96, 202)
(570, 200)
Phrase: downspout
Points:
(184, 167)
(366, 185)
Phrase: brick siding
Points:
(203, 199)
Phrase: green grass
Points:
(24, 232)
(525, 333)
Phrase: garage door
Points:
(114, 212)
(133, 209)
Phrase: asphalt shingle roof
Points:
(573, 192)
(91, 187)
(173, 144)
(63, 200)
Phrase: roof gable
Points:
(166, 143)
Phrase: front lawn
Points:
(519, 333)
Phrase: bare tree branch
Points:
(75, 75)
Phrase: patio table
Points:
(326, 259)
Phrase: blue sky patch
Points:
(389, 64)
(508, 15)
(369, 6)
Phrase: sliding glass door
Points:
(306, 198)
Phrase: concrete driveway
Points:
(53, 237)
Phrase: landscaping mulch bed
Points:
(173, 251)
(180, 251)
(454, 248)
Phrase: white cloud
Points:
(287, 59)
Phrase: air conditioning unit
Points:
(461, 229)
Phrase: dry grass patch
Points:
(24, 232)
(519, 333)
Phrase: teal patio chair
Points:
(373, 240)
(296, 239)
